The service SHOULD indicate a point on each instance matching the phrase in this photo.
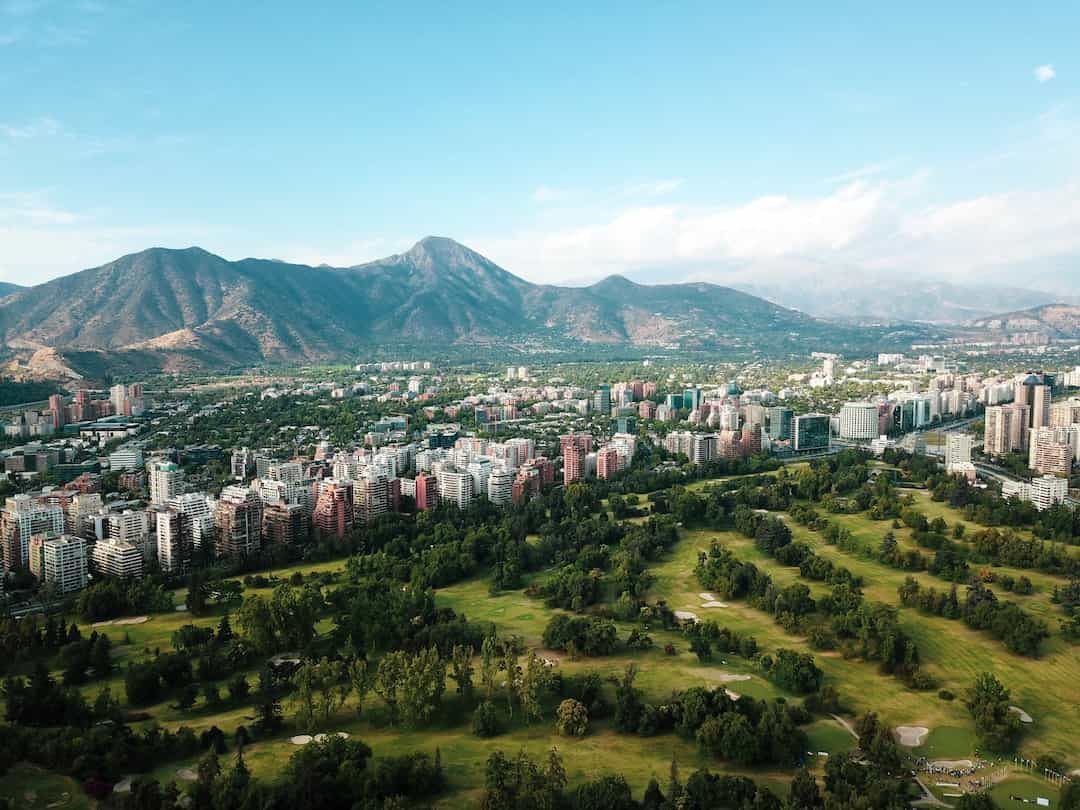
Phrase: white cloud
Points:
(1044, 73)
(884, 226)
(547, 194)
(38, 128)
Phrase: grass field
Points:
(953, 653)
(28, 787)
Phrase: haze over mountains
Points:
(860, 296)
(176, 308)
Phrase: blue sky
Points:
(665, 141)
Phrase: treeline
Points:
(867, 629)
(980, 610)
(986, 506)
(872, 781)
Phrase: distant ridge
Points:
(185, 307)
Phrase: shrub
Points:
(486, 720)
(572, 718)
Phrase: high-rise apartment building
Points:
(1063, 414)
(427, 491)
(1051, 450)
(23, 518)
(456, 488)
(113, 558)
(1006, 429)
(859, 421)
(238, 519)
(500, 485)
(173, 546)
(1043, 492)
(60, 561)
(334, 512)
(196, 518)
(574, 446)
(284, 523)
(607, 462)
(166, 481)
(371, 496)
(958, 447)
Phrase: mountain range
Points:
(186, 308)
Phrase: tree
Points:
(485, 721)
(422, 686)
(804, 793)
(321, 689)
(628, 703)
(461, 669)
(533, 679)
(975, 801)
(238, 688)
(208, 769)
(189, 693)
(360, 677)
(572, 718)
(489, 667)
(267, 705)
(513, 675)
(388, 679)
(996, 725)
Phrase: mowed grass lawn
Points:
(29, 787)
(1044, 687)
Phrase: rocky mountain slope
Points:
(177, 308)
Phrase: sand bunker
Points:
(714, 604)
(732, 695)
(300, 739)
(188, 775)
(1024, 716)
(911, 736)
(951, 764)
(343, 734)
(708, 597)
(124, 785)
(130, 620)
(730, 677)
(685, 616)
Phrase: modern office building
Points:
(778, 422)
(602, 400)
(810, 431)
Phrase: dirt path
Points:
(928, 797)
(847, 726)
